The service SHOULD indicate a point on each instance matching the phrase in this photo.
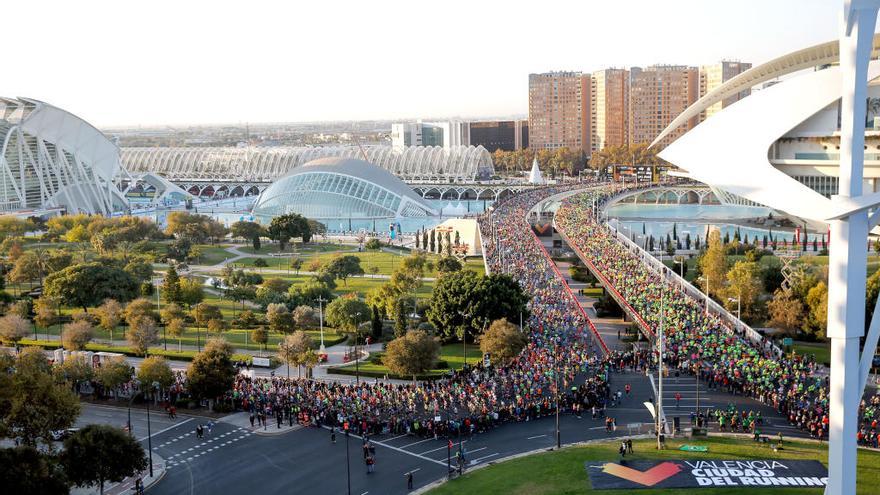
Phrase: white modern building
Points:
(447, 135)
(340, 188)
(52, 159)
(266, 164)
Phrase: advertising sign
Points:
(705, 473)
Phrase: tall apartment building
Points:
(559, 111)
(609, 108)
(714, 75)
(505, 135)
(657, 95)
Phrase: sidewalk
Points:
(126, 486)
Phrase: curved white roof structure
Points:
(256, 164)
(757, 122)
(51, 158)
(814, 56)
(335, 188)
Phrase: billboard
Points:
(705, 473)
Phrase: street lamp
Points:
(155, 386)
(706, 279)
(680, 262)
(660, 372)
(320, 300)
(556, 386)
(738, 306)
(357, 354)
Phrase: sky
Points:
(193, 62)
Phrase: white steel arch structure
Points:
(50, 158)
(757, 121)
(253, 164)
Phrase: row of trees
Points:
(553, 161)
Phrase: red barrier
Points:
(571, 294)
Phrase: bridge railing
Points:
(671, 277)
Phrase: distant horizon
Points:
(119, 65)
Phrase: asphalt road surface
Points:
(232, 459)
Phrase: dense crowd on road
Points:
(699, 342)
(561, 354)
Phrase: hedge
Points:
(154, 351)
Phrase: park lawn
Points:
(822, 350)
(292, 249)
(450, 353)
(212, 255)
(593, 291)
(563, 471)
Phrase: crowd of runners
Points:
(699, 342)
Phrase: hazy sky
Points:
(189, 61)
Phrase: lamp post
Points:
(660, 372)
(706, 279)
(738, 306)
(357, 352)
(320, 300)
(680, 262)
(556, 387)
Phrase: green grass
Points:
(451, 354)
(153, 351)
(562, 472)
(822, 350)
(212, 255)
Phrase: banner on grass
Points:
(705, 473)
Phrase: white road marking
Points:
(383, 444)
(166, 429)
(438, 448)
(416, 443)
(414, 470)
(484, 457)
(395, 438)
(536, 436)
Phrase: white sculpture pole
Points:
(848, 251)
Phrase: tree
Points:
(346, 313)
(176, 327)
(285, 227)
(27, 470)
(374, 244)
(412, 354)
(467, 301)
(87, 284)
(74, 370)
(171, 312)
(376, 323)
(279, 318)
(109, 316)
(77, 334)
(211, 372)
(293, 348)
(433, 241)
(260, 263)
(26, 268)
(278, 285)
(743, 284)
(171, 286)
(260, 336)
(713, 264)
(191, 292)
(817, 302)
(216, 326)
(400, 315)
(13, 328)
(34, 405)
(140, 308)
(305, 316)
(156, 369)
(503, 341)
(46, 311)
(448, 264)
(786, 311)
(247, 230)
(113, 373)
(204, 312)
(142, 334)
(100, 453)
(342, 267)
(296, 265)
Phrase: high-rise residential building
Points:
(505, 135)
(713, 76)
(609, 108)
(559, 111)
(657, 95)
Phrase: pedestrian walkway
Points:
(187, 448)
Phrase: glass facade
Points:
(329, 195)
